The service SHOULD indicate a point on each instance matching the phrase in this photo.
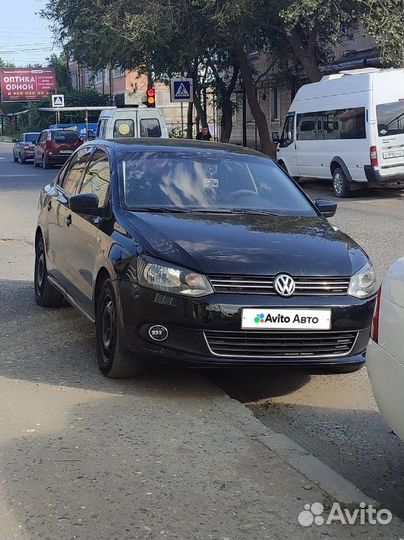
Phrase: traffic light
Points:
(151, 97)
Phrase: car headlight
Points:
(363, 283)
(171, 278)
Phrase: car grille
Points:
(280, 344)
(307, 286)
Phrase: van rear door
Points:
(390, 132)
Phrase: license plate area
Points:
(285, 319)
(393, 154)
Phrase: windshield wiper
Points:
(254, 211)
(159, 209)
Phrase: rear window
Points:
(150, 127)
(61, 137)
(31, 137)
(124, 128)
(390, 118)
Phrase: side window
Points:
(101, 128)
(345, 124)
(71, 178)
(124, 128)
(98, 177)
(288, 133)
(150, 127)
(307, 127)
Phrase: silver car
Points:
(24, 146)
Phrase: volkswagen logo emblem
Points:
(284, 285)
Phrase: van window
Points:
(306, 127)
(332, 125)
(124, 128)
(101, 128)
(150, 127)
(390, 118)
(288, 133)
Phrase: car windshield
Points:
(31, 137)
(208, 182)
(65, 137)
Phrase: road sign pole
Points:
(182, 119)
(58, 117)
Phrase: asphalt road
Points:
(73, 431)
(335, 416)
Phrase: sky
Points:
(25, 38)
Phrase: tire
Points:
(115, 360)
(342, 187)
(344, 368)
(45, 294)
(283, 167)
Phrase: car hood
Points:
(247, 244)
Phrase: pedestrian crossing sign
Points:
(181, 90)
(58, 100)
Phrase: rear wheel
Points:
(45, 294)
(342, 187)
(114, 358)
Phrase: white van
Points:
(131, 122)
(348, 127)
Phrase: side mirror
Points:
(85, 203)
(326, 208)
(275, 137)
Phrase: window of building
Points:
(118, 72)
(99, 77)
(275, 104)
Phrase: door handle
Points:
(69, 220)
(50, 205)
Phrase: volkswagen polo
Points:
(202, 253)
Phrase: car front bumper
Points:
(196, 326)
(386, 375)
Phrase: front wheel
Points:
(342, 188)
(114, 358)
(45, 294)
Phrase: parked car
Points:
(357, 140)
(24, 146)
(55, 146)
(203, 253)
(131, 122)
(386, 348)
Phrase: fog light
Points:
(158, 332)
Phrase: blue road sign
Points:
(181, 90)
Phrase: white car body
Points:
(353, 120)
(385, 357)
(131, 122)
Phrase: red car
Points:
(55, 146)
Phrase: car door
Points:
(286, 151)
(58, 212)
(89, 236)
(40, 147)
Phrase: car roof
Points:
(153, 143)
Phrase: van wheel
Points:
(342, 187)
(114, 358)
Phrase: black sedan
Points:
(203, 253)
